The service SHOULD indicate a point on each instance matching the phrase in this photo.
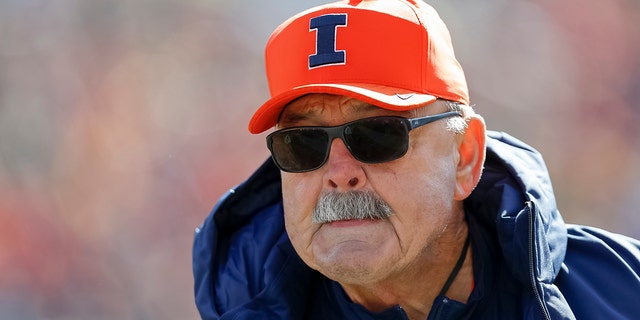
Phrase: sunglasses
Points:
(370, 140)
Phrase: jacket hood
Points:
(514, 197)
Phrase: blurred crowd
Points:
(122, 123)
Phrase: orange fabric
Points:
(397, 56)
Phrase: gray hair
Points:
(454, 124)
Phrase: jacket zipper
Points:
(532, 271)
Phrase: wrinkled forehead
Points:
(317, 103)
(328, 106)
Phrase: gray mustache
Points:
(358, 205)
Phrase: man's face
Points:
(419, 188)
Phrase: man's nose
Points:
(343, 172)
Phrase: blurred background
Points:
(122, 122)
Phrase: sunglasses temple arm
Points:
(418, 122)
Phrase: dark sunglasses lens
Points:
(377, 139)
(299, 150)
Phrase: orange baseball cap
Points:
(395, 54)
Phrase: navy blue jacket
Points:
(528, 264)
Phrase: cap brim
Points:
(385, 97)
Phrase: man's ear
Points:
(471, 155)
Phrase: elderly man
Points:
(385, 197)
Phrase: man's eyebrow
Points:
(365, 107)
(289, 117)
